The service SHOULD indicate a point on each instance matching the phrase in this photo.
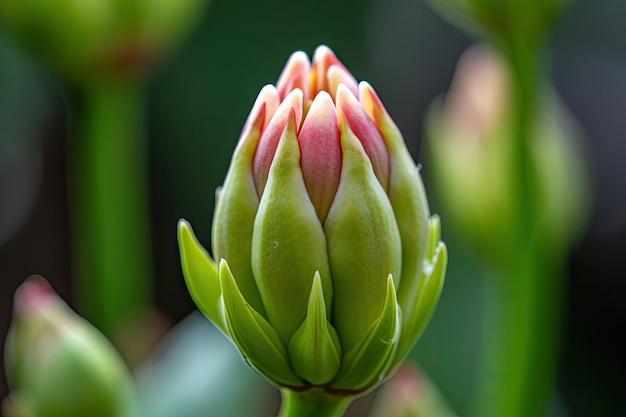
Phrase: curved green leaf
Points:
(427, 296)
(200, 274)
(236, 209)
(370, 359)
(254, 336)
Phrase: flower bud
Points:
(329, 263)
(471, 139)
(411, 393)
(99, 38)
(59, 365)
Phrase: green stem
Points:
(521, 351)
(525, 98)
(312, 403)
(110, 224)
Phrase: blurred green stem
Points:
(110, 228)
(520, 352)
(521, 59)
(312, 403)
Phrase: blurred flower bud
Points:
(471, 140)
(58, 365)
(411, 393)
(525, 20)
(100, 38)
(330, 265)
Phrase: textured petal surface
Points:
(314, 350)
(266, 102)
(294, 75)
(363, 244)
(235, 211)
(288, 244)
(371, 358)
(256, 339)
(407, 196)
(338, 75)
(268, 141)
(321, 153)
(323, 60)
(417, 317)
(349, 110)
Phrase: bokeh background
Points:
(199, 99)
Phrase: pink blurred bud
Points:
(60, 365)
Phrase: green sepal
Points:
(371, 358)
(235, 210)
(200, 274)
(360, 221)
(254, 336)
(410, 208)
(434, 236)
(288, 243)
(417, 317)
(406, 194)
(314, 349)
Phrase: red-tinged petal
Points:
(266, 102)
(323, 59)
(350, 111)
(33, 294)
(339, 75)
(294, 75)
(371, 103)
(320, 150)
(374, 107)
(269, 138)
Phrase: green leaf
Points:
(193, 369)
(200, 274)
(314, 349)
(254, 336)
(370, 359)
(434, 237)
(427, 296)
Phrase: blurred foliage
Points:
(99, 39)
(23, 104)
(196, 372)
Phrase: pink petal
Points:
(33, 294)
(339, 75)
(269, 138)
(323, 59)
(268, 101)
(371, 103)
(294, 75)
(350, 111)
(320, 153)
